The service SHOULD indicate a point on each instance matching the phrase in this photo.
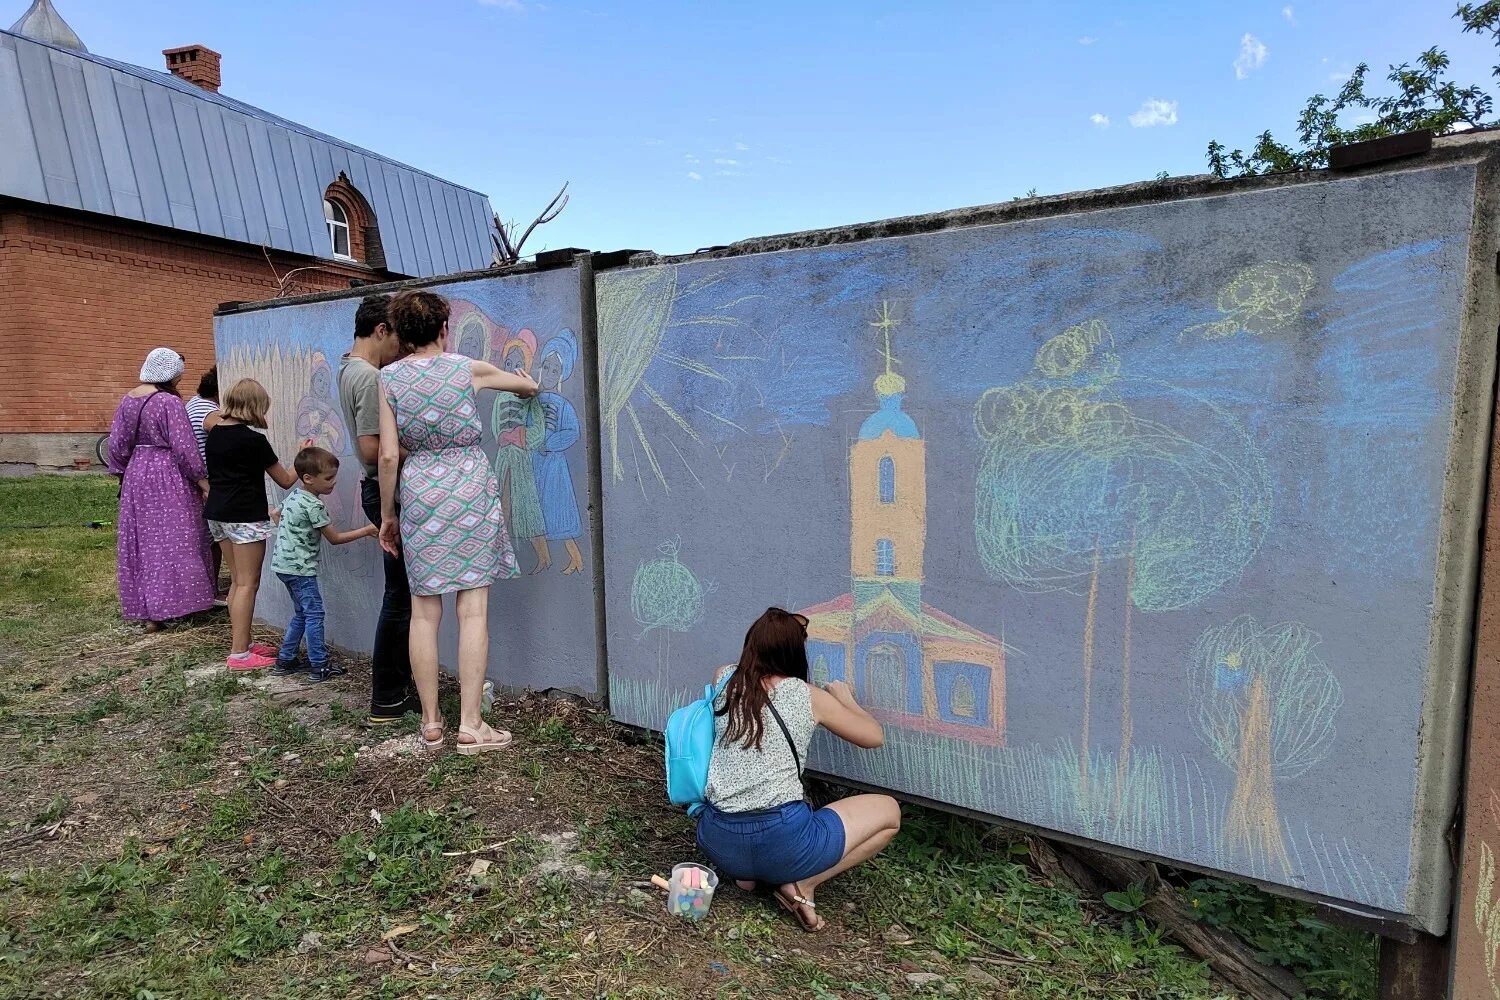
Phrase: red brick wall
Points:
(84, 298)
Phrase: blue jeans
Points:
(307, 622)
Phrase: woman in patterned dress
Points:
(164, 568)
(451, 525)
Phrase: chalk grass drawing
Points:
(1265, 705)
(636, 308)
(1175, 809)
(666, 597)
(1081, 470)
(1259, 300)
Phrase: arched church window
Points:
(885, 558)
(962, 701)
(887, 479)
(885, 677)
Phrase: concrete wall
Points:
(1150, 524)
(543, 624)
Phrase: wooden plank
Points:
(1417, 971)
(1476, 926)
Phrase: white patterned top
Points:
(744, 780)
(198, 410)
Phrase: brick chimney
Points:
(197, 64)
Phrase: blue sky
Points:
(689, 124)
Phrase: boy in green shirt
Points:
(294, 560)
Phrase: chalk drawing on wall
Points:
(1487, 903)
(1081, 470)
(554, 480)
(518, 426)
(910, 664)
(1265, 298)
(635, 311)
(1265, 704)
(666, 597)
(318, 416)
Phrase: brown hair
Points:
(246, 401)
(417, 316)
(775, 646)
(315, 461)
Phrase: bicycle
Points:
(101, 449)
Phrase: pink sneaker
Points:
(250, 661)
(261, 649)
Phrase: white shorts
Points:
(241, 532)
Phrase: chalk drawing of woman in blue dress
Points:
(554, 480)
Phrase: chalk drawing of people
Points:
(554, 480)
(320, 422)
(468, 330)
(519, 425)
(318, 419)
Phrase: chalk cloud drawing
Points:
(910, 664)
(1265, 704)
(1259, 300)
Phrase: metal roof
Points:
(82, 131)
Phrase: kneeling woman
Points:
(756, 826)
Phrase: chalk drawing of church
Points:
(910, 664)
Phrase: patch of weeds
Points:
(162, 693)
(190, 758)
(450, 766)
(1331, 961)
(55, 809)
(281, 727)
(342, 715)
(402, 861)
(230, 815)
(100, 708)
(218, 687)
(82, 682)
(555, 730)
(264, 768)
(201, 895)
(340, 765)
(254, 928)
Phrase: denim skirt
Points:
(780, 845)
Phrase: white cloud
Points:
(729, 173)
(777, 160)
(721, 161)
(690, 158)
(742, 147)
(514, 6)
(693, 175)
(1100, 120)
(1155, 112)
(1087, 40)
(1252, 55)
(1286, 12)
(651, 142)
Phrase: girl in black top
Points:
(239, 518)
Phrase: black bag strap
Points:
(788, 734)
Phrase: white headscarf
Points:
(162, 365)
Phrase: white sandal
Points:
(434, 744)
(502, 739)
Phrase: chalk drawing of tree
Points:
(1265, 704)
(1081, 470)
(666, 597)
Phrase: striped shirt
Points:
(199, 408)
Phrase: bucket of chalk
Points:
(690, 891)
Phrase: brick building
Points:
(134, 201)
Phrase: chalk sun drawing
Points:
(1261, 299)
(1265, 705)
(636, 308)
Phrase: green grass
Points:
(215, 841)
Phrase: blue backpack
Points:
(690, 745)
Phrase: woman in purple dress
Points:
(164, 566)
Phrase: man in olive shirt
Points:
(375, 346)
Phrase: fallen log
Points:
(1229, 956)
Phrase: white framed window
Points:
(885, 558)
(338, 228)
